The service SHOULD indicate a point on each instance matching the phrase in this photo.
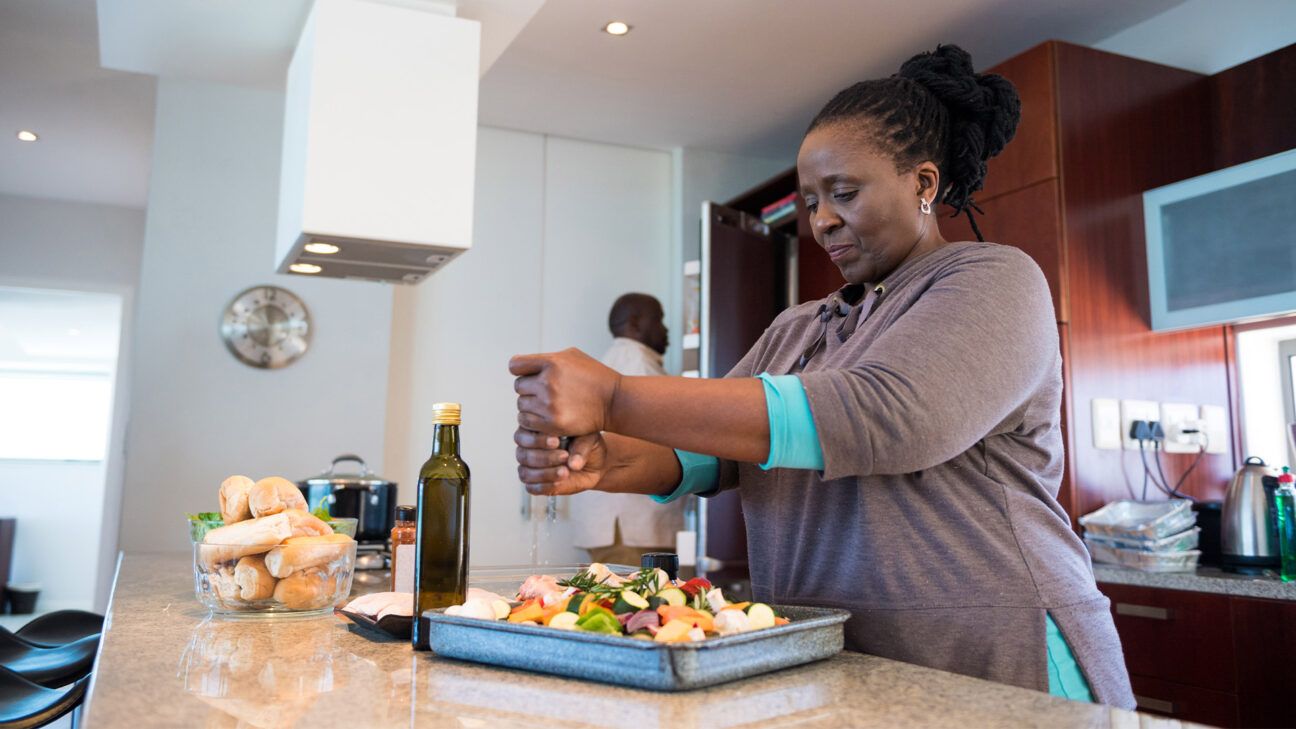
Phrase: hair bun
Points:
(983, 109)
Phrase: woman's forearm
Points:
(726, 418)
(638, 467)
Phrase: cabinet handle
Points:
(1142, 611)
(1144, 702)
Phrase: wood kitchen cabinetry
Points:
(1216, 659)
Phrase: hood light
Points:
(304, 268)
(323, 249)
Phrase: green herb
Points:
(321, 512)
(643, 582)
(206, 516)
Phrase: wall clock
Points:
(266, 327)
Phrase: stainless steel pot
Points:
(362, 495)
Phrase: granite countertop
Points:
(1204, 579)
(164, 662)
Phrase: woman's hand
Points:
(547, 469)
(564, 393)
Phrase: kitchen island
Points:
(164, 662)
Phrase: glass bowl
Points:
(305, 578)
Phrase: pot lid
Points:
(344, 476)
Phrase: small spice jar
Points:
(402, 549)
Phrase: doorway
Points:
(59, 362)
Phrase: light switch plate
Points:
(1174, 416)
(1131, 410)
(1217, 428)
(1105, 417)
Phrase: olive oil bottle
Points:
(441, 541)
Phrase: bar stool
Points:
(61, 627)
(24, 704)
(48, 666)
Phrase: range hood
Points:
(379, 145)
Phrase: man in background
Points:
(621, 528)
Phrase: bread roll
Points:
(305, 524)
(299, 553)
(273, 494)
(226, 589)
(253, 579)
(306, 590)
(234, 499)
(233, 541)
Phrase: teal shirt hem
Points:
(794, 439)
(1064, 676)
(700, 474)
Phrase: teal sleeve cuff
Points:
(701, 474)
(794, 440)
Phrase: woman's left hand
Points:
(564, 393)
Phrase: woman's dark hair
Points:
(936, 108)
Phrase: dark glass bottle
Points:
(441, 566)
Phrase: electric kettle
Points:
(1249, 524)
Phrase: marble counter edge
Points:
(1219, 583)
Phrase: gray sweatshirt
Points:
(935, 520)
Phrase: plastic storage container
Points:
(1180, 542)
(1145, 561)
(1140, 520)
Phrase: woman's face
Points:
(864, 213)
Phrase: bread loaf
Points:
(305, 524)
(253, 579)
(273, 494)
(253, 536)
(234, 499)
(299, 553)
(308, 589)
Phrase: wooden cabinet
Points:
(1264, 635)
(1182, 637)
(1215, 659)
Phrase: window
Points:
(58, 357)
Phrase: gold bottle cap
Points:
(446, 413)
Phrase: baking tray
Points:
(814, 634)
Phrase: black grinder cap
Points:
(665, 561)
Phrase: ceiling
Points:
(746, 76)
(740, 76)
(96, 126)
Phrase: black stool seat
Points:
(61, 627)
(24, 704)
(50, 667)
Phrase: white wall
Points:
(562, 227)
(198, 415)
(1208, 36)
(80, 247)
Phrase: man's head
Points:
(640, 317)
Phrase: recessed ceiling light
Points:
(616, 27)
(304, 268)
(323, 249)
(27, 136)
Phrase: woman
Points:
(896, 446)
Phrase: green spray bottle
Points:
(1285, 501)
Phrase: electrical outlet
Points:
(1131, 410)
(1105, 418)
(1217, 428)
(1176, 418)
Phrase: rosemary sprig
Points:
(643, 582)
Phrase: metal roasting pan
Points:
(814, 634)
